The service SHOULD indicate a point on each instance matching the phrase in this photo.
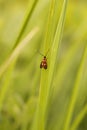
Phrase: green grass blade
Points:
(5, 85)
(75, 92)
(65, 64)
(39, 122)
(79, 118)
(17, 50)
(54, 51)
(10, 63)
(56, 42)
(32, 5)
(50, 27)
(47, 75)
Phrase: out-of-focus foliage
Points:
(21, 98)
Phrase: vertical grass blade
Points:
(73, 50)
(56, 42)
(75, 92)
(39, 122)
(5, 86)
(28, 15)
(79, 118)
(50, 27)
(47, 75)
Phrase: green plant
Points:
(37, 99)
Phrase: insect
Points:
(43, 63)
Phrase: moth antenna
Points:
(47, 52)
(40, 53)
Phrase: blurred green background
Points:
(21, 98)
